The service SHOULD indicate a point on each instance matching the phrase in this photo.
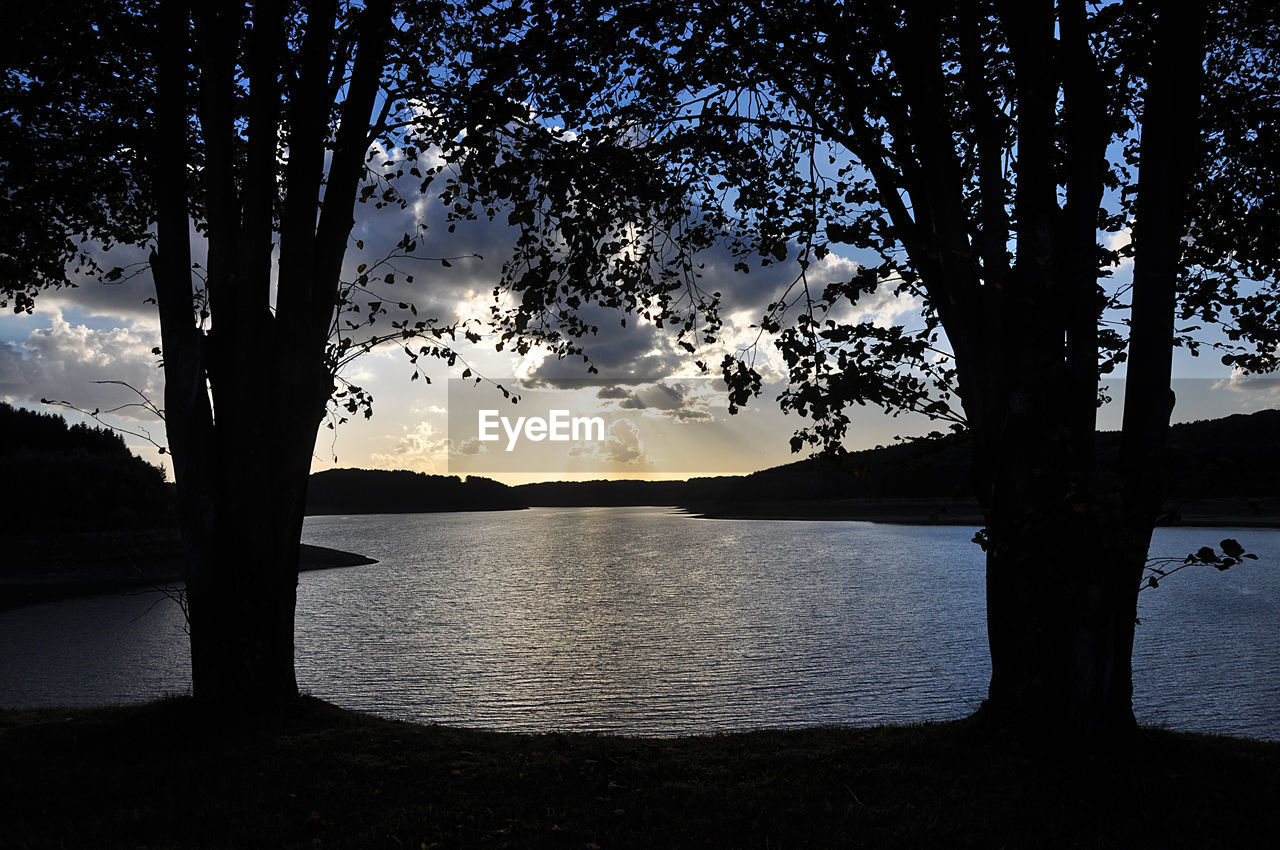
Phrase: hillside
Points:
(66, 478)
(83, 515)
(382, 491)
(1218, 469)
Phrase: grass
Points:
(163, 775)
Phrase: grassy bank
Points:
(160, 776)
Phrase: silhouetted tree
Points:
(254, 128)
(979, 150)
(253, 123)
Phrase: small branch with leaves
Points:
(1229, 553)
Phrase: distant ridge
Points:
(382, 491)
(1219, 469)
(1238, 455)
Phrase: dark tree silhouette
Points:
(980, 150)
(253, 125)
(72, 478)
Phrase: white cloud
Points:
(1122, 239)
(622, 445)
(69, 362)
(1260, 388)
(472, 446)
(421, 449)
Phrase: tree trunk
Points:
(1060, 622)
(241, 593)
(1059, 600)
(242, 474)
(1065, 548)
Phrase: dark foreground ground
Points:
(161, 776)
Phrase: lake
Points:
(648, 621)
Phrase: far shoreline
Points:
(1199, 513)
(47, 572)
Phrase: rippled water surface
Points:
(644, 620)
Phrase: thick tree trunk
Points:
(1059, 602)
(1065, 548)
(241, 594)
(243, 553)
(242, 474)
(1060, 623)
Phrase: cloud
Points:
(471, 446)
(69, 362)
(683, 402)
(622, 445)
(16, 372)
(642, 353)
(639, 353)
(613, 392)
(1260, 387)
(422, 449)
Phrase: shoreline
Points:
(97, 564)
(1201, 513)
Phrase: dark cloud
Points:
(16, 372)
(613, 392)
(639, 353)
(676, 400)
(752, 290)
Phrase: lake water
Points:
(647, 621)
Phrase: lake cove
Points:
(646, 621)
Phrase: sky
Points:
(661, 417)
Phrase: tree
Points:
(71, 119)
(259, 127)
(978, 151)
(254, 125)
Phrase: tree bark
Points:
(244, 396)
(1169, 150)
(1065, 554)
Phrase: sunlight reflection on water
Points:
(646, 621)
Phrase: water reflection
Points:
(642, 620)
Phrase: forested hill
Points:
(1237, 457)
(74, 478)
(1232, 458)
(381, 491)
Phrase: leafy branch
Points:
(1158, 569)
